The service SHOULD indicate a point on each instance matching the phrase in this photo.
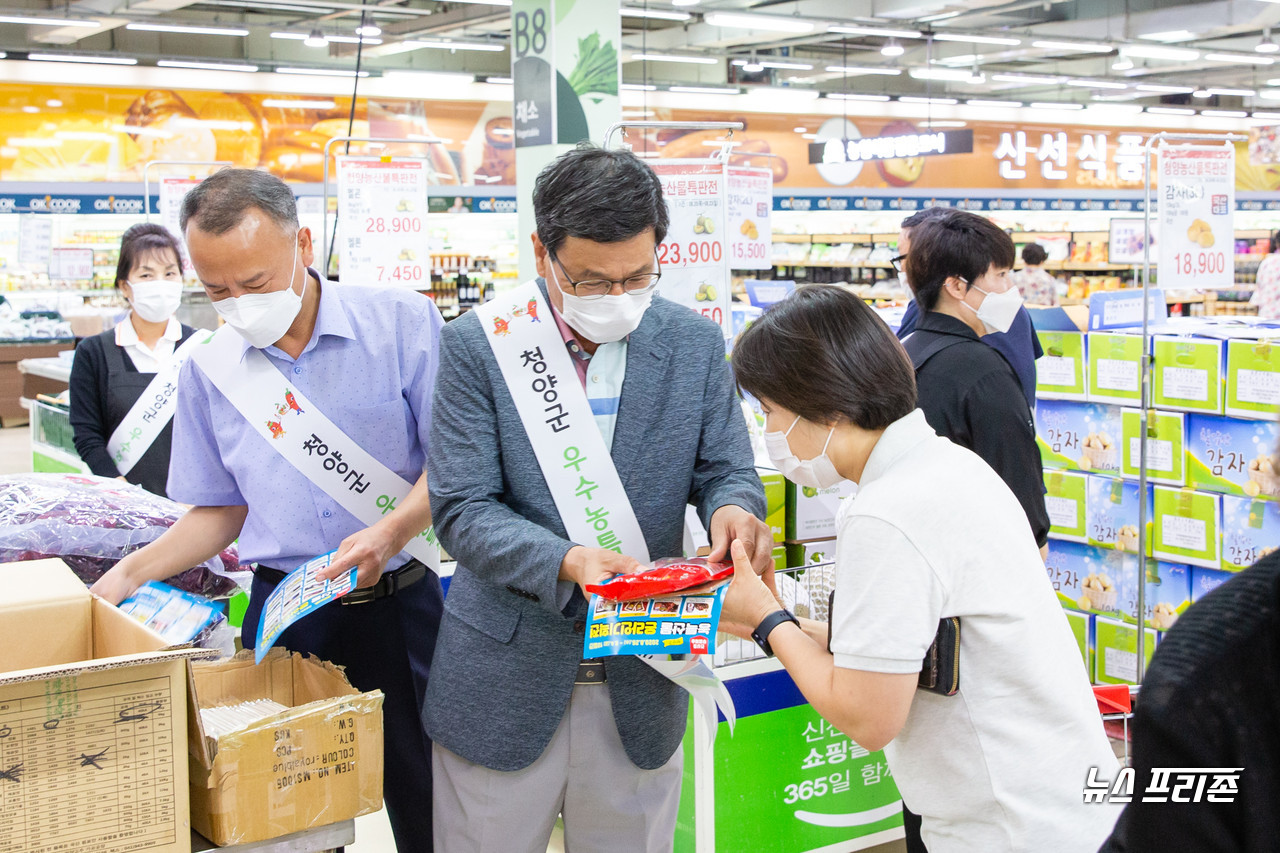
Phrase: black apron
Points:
(124, 386)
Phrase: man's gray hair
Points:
(220, 201)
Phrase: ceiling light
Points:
(206, 66)
(953, 75)
(1079, 46)
(1152, 51)
(197, 31)
(1239, 93)
(1097, 84)
(1171, 35)
(1168, 90)
(1239, 58)
(859, 69)
(368, 28)
(843, 96)
(771, 23)
(316, 35)
(1266, 45)
(500, 81)
(670, 57)
(40, 21)
(323, 72)
(30, 109)
(1116, 108)
(892, 48)
(1270, 94)
(1061, 105)
(33, 142)
(657, 14)
(1224, 113)
(492, 47)
(930, 125)
(939, 17)
(316, 39)
(1171, 111)
(637, 87)
(876, 31)
(1267, 116)
(997, 104)
(747, 64)
(1028, 79)
(800, 129)
(808, 136)
(968, 39)
(88, 60)
(936, 102)
(1127, 96)
(1124, 63)
(53, 103)
(290, 104)
(706, 90)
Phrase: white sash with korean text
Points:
(297, 430)
(151, 412)
(571, 452)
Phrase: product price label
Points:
(1120, 664)
(1056, 370)
(35, 239)
(382, 235)
(693, 259)
(1118, 375)
(1196, 192)
(1159, 454)
(173, 191)
(1185, 533)
(1258, 386)
(750, 198)
(71, 264)
(1185, 383)
(1063, 512)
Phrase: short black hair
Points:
(825, 355)
(922, 216)
(597, 194)
(1034, 254)
(219, 202)
(142, 239)
(960, 244)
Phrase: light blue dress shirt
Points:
(370, 366)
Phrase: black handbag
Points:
(940, 672)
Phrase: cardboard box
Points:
(1205, 581)
(1253, 378)
(93, 709)
(1082, 629)
(1112, 509)
(1166, 438)
(811, 513)
(807, 553)
(1076, 436)
(1116, 654)
(1186, 527)
(775, 498)
(1065, 499)
(780, 556)
(317, 763)
(1085, 578)
(1187, 374)
(1115, 368)
(1167, 596)
(1060, 372)
(1250, 531)
(1234, 457)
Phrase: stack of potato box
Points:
(1213, 499)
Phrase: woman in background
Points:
(1266, 294)
(1037, 285)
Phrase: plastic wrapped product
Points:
(666, 577)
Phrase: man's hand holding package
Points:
(733, 522)
(584, 566)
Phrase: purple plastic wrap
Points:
(92, 523)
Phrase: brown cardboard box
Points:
(93, 714)
(317, 763)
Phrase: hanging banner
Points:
(35, 239)
(70, 264)
(749, 195)
(382, 237)
(695, 268)
(1196, 187)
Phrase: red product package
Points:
(665, 578)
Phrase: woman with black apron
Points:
(113, 371)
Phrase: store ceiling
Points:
(1202, 54)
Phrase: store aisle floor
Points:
(15, 450)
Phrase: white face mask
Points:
(606, 318)
(155, 301)
(998, 310)
(263, 318)
(816, 473)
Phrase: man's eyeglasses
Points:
(898, 262)
(594, 288)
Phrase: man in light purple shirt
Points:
(366, 358)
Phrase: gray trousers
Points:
(608, 803)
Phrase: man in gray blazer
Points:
(524, 730)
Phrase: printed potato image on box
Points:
(1065, 499)
(1075, 436)
(811, 513)
(1112, 510)
(1234, 457)
(1250, 531)
(1253, 378)
(1187, 374)
(1205, 581)
(1060, 372)
(1115, 368)
(1082, 629)
(1166, 438)
(1167, 594)
(1116, 651)
(1186, 527)
(775, 498)
(1085, 578)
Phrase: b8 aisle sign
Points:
(1196, 186)
(789, 777)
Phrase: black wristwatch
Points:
(773, 620)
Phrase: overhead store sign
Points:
(892, 147)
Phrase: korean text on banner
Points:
(381, 230)
(695, 269)
(1196, 187)
(750, 197)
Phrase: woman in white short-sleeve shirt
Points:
(933, 532)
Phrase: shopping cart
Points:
(1115, 704)
(805, 590)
